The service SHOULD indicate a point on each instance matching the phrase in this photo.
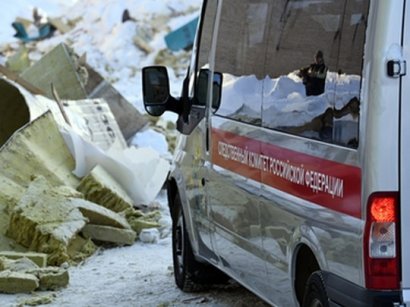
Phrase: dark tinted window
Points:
(205, 42)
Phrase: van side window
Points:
(313, 69)
(204, 48)
(240, 53)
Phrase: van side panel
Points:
(404, 160)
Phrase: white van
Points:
(291, 174)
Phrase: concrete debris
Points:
(93, 120)
(139, 221)
(16, 78)
(73, 79)
(98, 215)
(80, 249)
(109, 234)
(51, 278)
(19, 265)
(16, 282)
(101, 188)
(60, 25)
(31, 151)
(40, 259)
(60, 67)
(45, 221)
(127, 116)
(32, 277)
(19, 61)
(38, 300)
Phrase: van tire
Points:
(315, 291)
(190, 274)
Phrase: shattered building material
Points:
(80, 249)
(139, 221)
(40, 259)
(98, 215)
(44, 221)
(101, 188)
(109, 234)
(97, 123)
(16, 78)
(16, 282)
(47, 278)
(74, 80)
(31, 151)
(60, 25)
(38, 300)
(19, 61)
(127, 116)
(58, 67)
(21, 265)
(51, 278)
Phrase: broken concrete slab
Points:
(21, 265)
(80, 249)
(60, 25)
(16, 282)
(101, 188)
(59, 67)
(19, 61)
(44, 221)
(75, 80)
(40, 259)
(51, 278)
(31, 151)
(93, 120)
(139, 221)
(127, 116)
(109, 234)
(38, 300)
(98, 215)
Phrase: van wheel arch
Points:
(304, 265)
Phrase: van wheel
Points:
(190, 275)
(315, 292)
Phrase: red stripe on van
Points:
(327, 183)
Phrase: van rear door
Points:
(405, 160)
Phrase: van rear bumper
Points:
(344, 293)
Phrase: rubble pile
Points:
(45, 207)
(64, 130)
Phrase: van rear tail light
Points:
(381, 243)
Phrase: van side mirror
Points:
(202, 88)
(155, 89)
